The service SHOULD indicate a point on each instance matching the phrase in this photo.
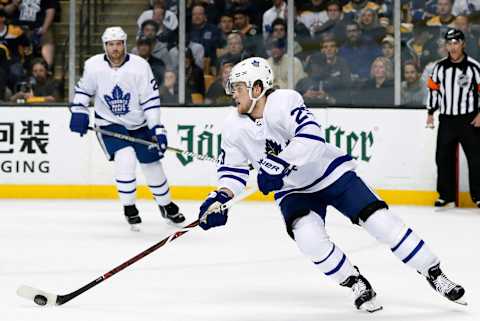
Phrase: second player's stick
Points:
(150, 144)
(45, 298)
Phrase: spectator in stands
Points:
(358, 54)
(10, 6)
(226, 27)
(160, 49)
(301, 31)
(251, 35)
(3, 72)
(216, 93)
(41, 88)
(314, 15)
(372, 31)
(335, 23)
(13, 43)
(160, 14)
(277, 11)
(38, 17)
(444, 17)
(312, 87)
(205, 34)
(235, 49)
(441, 52)
(171, 5)
(169, 89)
(471, 45)
(144, 48)
(279, 31)
(213, 10)
(422, 10)
(253, 9)
(416, 47)
(353, 8)
(197, 51)
(279, 63)
(335, 71)
(466, 7)
(414, 90)
(388, 47)
(194, 80)
(378, 90)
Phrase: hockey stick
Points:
(150, 143)
(45, 298)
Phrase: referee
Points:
(454, 87)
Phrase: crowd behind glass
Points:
(344, 50)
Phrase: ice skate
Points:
(132, 217)
(365, 296)
(171, 212)
(439, 281)
(442, 205)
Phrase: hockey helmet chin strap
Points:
(254, 100)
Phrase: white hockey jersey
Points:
(127, 95)
(288, 129)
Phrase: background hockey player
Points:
(126, 101)
(275, 131)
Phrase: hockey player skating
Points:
(127, 101)
(275, 131)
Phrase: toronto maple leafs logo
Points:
(255, 63)
(272, 148)
(118, 103)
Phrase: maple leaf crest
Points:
(118, 102)
(273, 148)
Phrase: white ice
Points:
(247, 271)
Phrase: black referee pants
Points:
(451, 131)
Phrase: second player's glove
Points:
(79, 123)
(161, 135)
(211, 213)
(271, 174)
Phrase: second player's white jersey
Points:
(289, 130)
(127, 95)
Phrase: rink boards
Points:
(41, 158)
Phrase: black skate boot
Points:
(441, 203)
(170, 211)
(131, 214)
(439, 281)
(363, 292)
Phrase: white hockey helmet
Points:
(112, 34)
(250, 71)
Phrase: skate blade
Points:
(445, 208)
(371, 306)
(134, 228)
(461, 302)
(176, 225)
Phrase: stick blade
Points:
(40, 297)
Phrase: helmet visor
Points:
(232, 87)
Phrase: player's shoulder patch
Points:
(281, 101)
(283, 96)
(136, 60)
(96, 59)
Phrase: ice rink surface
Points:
(247, 271)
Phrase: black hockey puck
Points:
(40, 299)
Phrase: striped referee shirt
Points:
(454, 87)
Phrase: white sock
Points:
(157, 182)
(125, 164)
(402, 240)
(313, 241)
